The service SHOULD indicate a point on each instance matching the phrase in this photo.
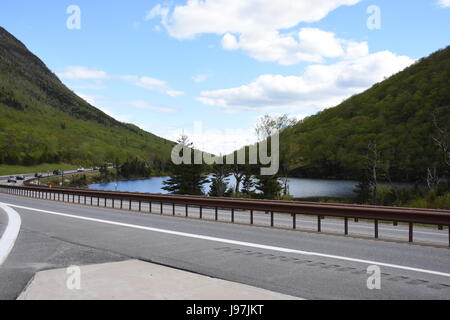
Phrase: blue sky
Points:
(173, 66)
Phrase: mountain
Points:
(41, 120)
(396, 115)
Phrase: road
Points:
(29, 176)
(299, 263)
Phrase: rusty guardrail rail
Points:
(410, 216)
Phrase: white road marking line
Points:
(10, 234)
(234, 242)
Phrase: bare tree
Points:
(269, 125)
(432, 178)
(373, 164)
(238, 173)
(442, 138)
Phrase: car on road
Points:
(80, 170)
(38, 175)
(20, 177)
(12, 179)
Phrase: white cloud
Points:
(213, 140)
(237, 16)
(153, 84)
(320, 86)
(444, 3)
(158, 10)
(256, 26)
(309, 44)
(83, 73)
(200, 78)
(79, 73)
(144, 105)
(229, 42)
(175, 93)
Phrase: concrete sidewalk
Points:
(138, 280)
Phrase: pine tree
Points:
(186, 178)
(248, 183)
(219, 180)
(269, 186)
(364, 188)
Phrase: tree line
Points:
(249, 182)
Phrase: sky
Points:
(211, 68)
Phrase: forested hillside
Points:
(41, 120)
(391, 125)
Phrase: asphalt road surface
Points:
(300, 263)
(28, 176)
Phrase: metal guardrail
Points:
(410, 216)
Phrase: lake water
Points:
(298, 187)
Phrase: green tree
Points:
(269, 186)
(363, 189)
(186, 178)
(219, 180)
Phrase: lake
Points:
(298, 187)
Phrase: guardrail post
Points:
(129, 205)
(162, 208)
(251, 217)
(440, 228)
(121, 203)
(346, 226)
(319, 224)
(173, 209)
(271, 219)
(150, 207)
(376, 228)
(410, 232)
(140, 205)
(217, 214)
(395, 223)
(201, 212)
(294, 221)
(187, 211)
(232, 215)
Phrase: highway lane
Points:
(29, 176)
(48, 239)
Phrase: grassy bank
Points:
(426, 201)
(46, 167)
(78, 180)
(83, 180)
